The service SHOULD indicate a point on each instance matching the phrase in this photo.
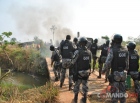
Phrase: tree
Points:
(13, 40)
(105, 37)
(137, 40)
(4, 43)
(37, 40)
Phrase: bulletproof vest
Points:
(66, 49)
(56, 57)
(133, 61)
(94, 48)
(84, 59)
(104, 50)
(119, 58)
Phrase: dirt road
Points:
(96, 86)
(67, 96)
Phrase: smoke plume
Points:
(37, 20)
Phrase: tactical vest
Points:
(133, 61)
(94, 48)
(104, 50)
(84, 60)
(56, 57)
(66, 49)
(119, 58)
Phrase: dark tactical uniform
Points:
(118, 59)
(134, 66)
(66, 50)
(93, 50)
(75, 43)
(108, 70)
(104, 51)
(55, 58)
(82, 57)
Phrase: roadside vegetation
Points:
(15, 56)
(19, 94)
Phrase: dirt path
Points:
(65, 95)
(96, 86)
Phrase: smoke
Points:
(36, 20)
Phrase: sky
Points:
(92, 18)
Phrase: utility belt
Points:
(119, 76)
(134, 74)
(66, 63)
(57, 64)
(83, 73)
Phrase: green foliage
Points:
(45, 94)
(7, 34)
(27, 60)
(105, 37)
(4, 42)
(37, 40)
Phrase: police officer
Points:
(118, 59)
(75, 41)
(93, 49)
(134, 66)
(104, 51)
(56, 60)
(82, 57)
(66, 50)
(108, 70)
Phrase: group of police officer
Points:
(77, 57)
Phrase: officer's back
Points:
(118, 58)
(120, 55)
(66, 47)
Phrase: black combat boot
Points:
(84, 99)
(93, 70)
(99, 75)
(70, 86)
(75, 100)
(56, 79)
(61, 84)
(106, 80)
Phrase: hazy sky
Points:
(92, 18)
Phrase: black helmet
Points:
(95, 40)
(112, 43)
(83, 40)
(117, 38)
(107, 42)
(75, 40)
(68, 37)
(131, 45)
(52, 48)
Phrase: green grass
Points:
(44, 94)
